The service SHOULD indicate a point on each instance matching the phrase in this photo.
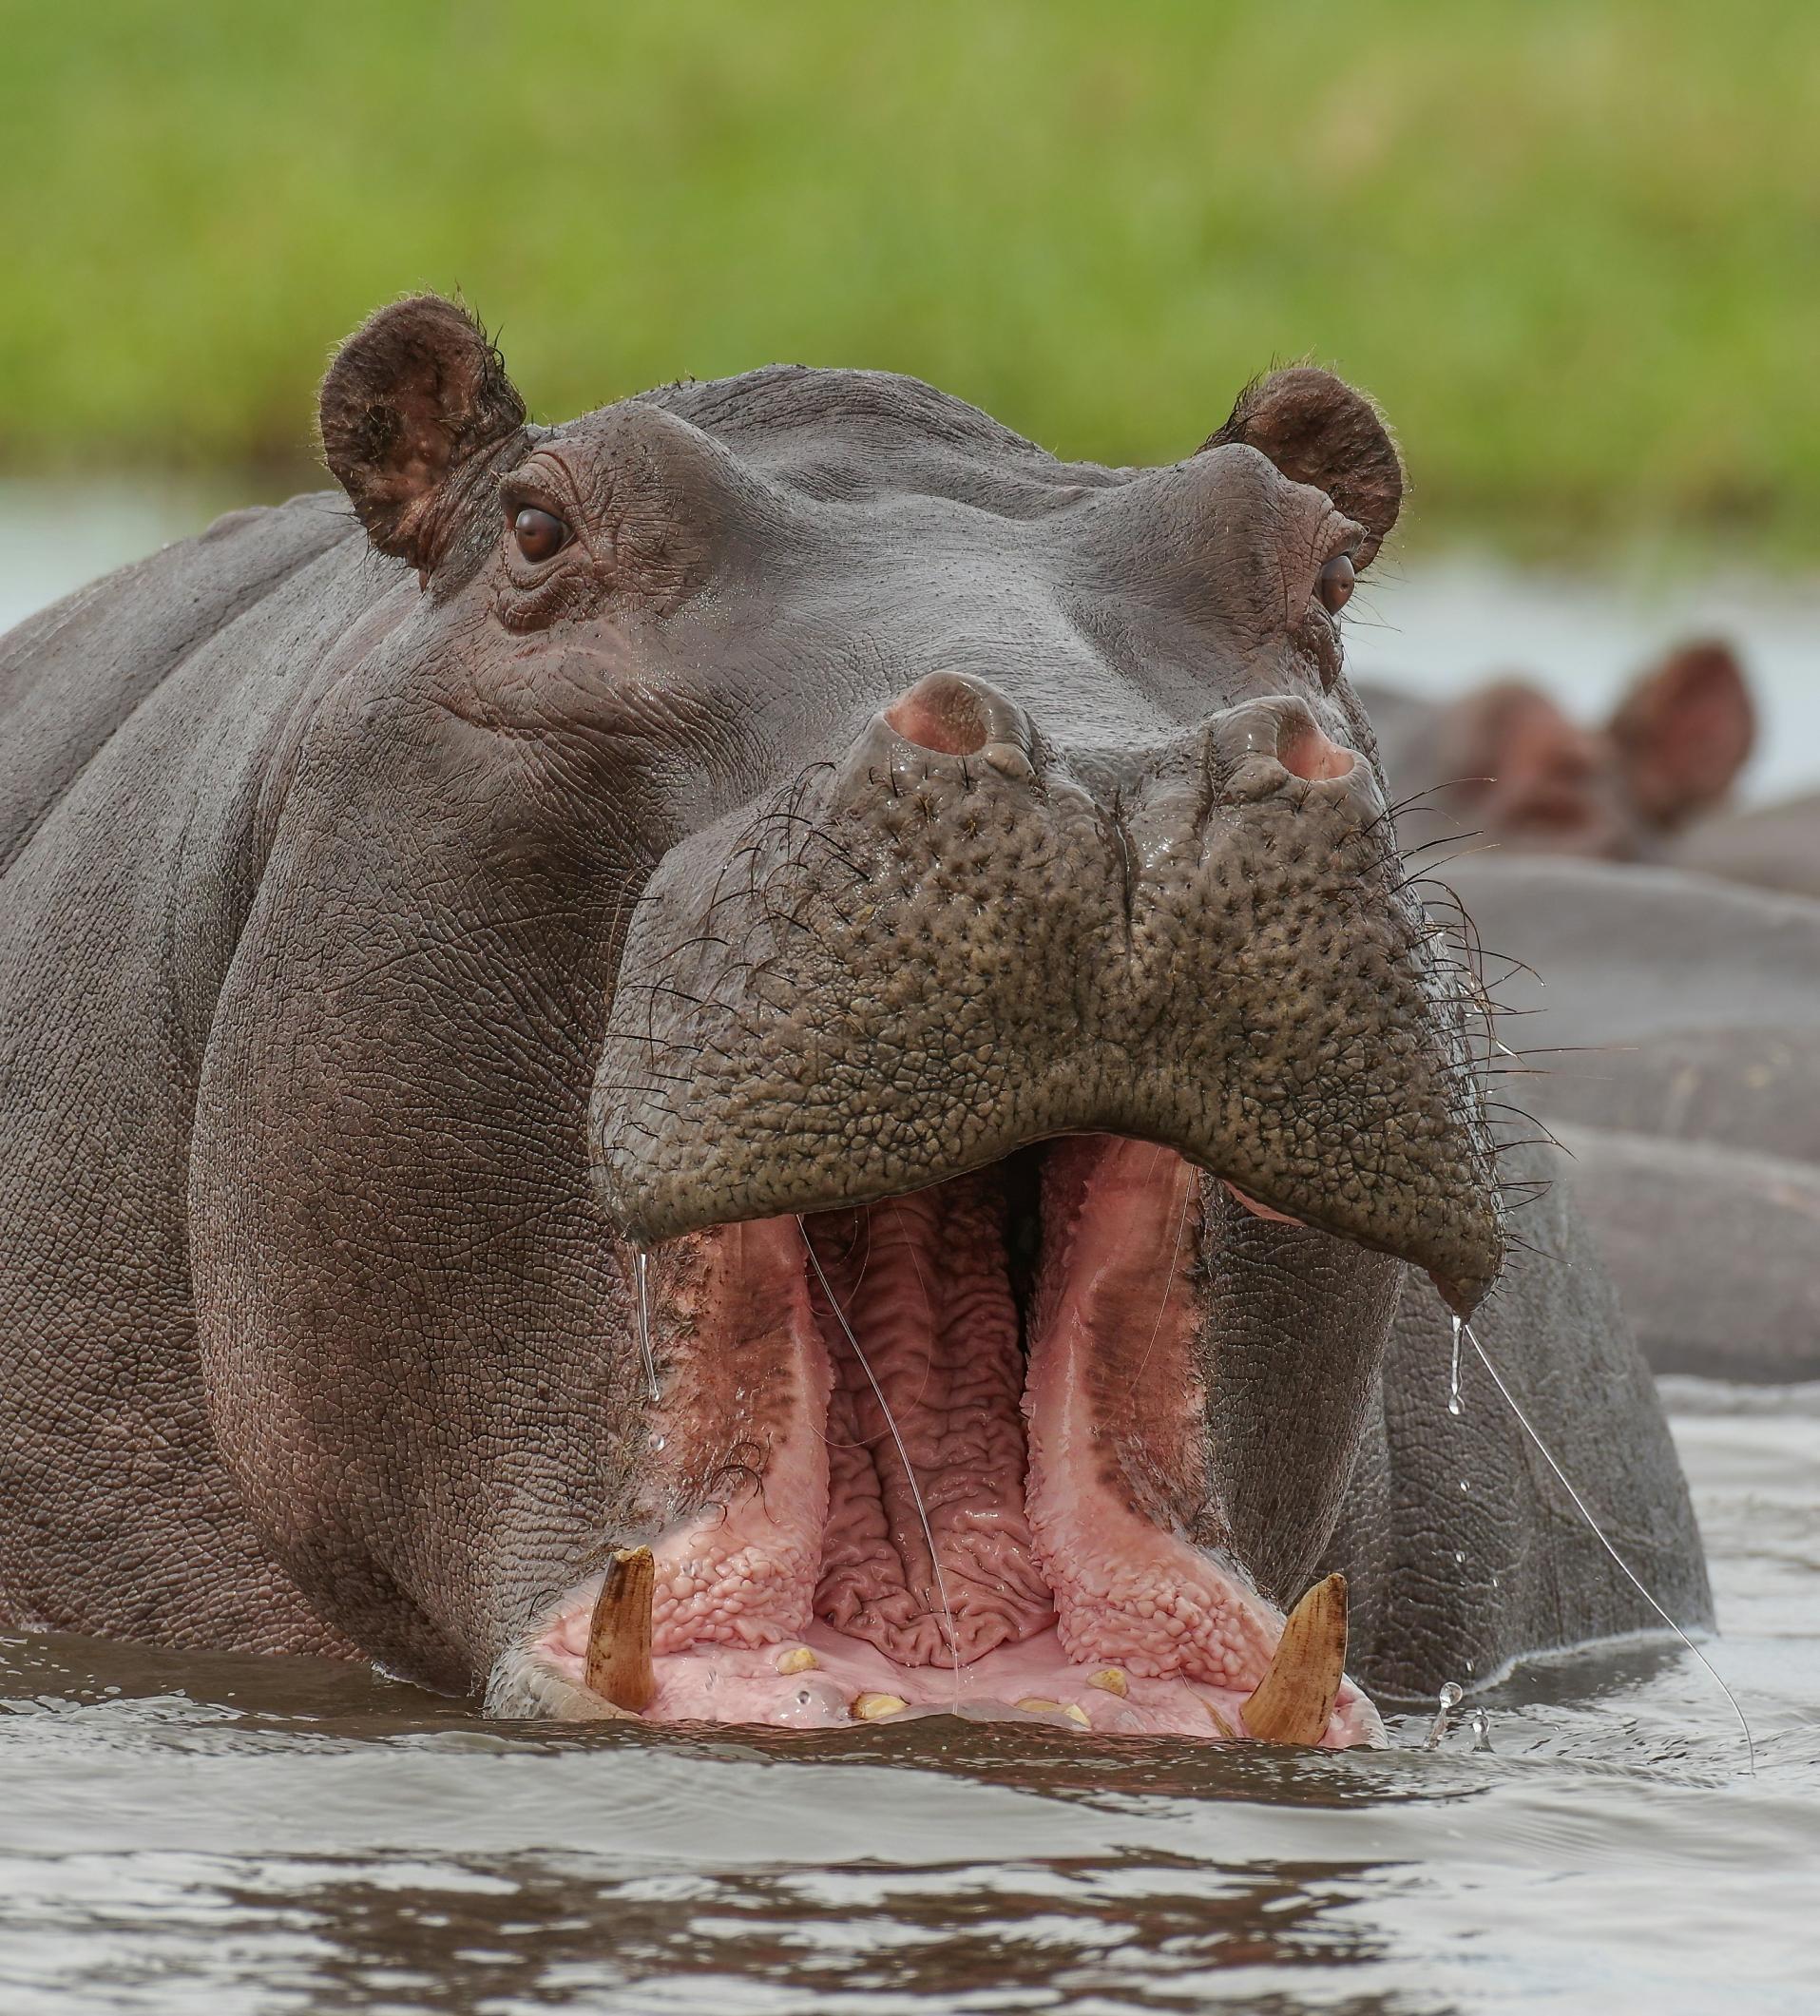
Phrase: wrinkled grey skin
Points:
(343, 855)
(1430, 1487)
(1678, 1022)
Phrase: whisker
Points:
(1598, 1532)
(1168, 1280)
(903, 1452)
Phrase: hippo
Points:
(1671, 1042)
(765, 1058)
(1774, 846)
(1507, 764)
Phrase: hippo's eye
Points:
(1334, 587)
(541, 535)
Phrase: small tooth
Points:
(1039, 1706)
(1112, 1678)
(1078, 1714)
(1294, 1700)
(619, 1634)
(869, 1707)
(798, 1659)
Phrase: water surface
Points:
(199, 1833)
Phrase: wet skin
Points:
(938, 899)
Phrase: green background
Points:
(1573, 249)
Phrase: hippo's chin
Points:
(1023, 1340)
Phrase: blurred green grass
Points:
(1573, 248)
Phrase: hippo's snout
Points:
(958, 939)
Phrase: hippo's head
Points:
(1515, 769)
(918, 919)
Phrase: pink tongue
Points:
(921, 1284)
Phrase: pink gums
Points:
(1058, 1573)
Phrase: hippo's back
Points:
(73, 674)
(139, 718)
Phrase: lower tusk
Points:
(1294, 1700)
(619, 1635)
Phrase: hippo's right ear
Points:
(1684, 731)
(1317, 430)
(416, 396)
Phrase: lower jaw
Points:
(826, 1680)
(926, 1494)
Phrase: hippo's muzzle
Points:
(954, 942)
(942, 1091)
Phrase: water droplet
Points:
(1453, 1369)
(1464, 1485)
(1448, 1699)
(642, 1282)
(1459, 1559)
(658, 1441)
(1480, 1723)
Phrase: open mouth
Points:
(945, 1452)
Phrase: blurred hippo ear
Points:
(415, 400)
(1684, 731)
(1317, 430)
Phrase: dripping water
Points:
(1448, 1699)
(1599, 1533)
(1453, 1372)
(903, 1452)
(641, 1283)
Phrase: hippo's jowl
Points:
(940, 902)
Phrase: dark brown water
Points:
(199, 1834)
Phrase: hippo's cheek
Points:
(946, 1450)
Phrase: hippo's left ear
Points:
(1317, 430)
(416, 399)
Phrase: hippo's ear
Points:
(1317, 430)
(1684, 731)
(413, 395)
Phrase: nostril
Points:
(1305, 752)
(943, 713)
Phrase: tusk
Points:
(619, 1635)
(1294, 1700)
